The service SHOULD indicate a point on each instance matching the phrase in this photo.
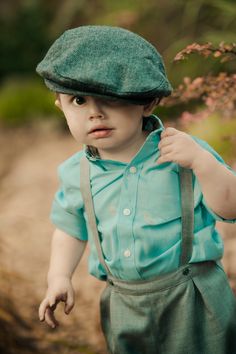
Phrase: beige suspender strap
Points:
(85, 188)
(187, 206)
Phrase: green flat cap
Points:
(105, 61)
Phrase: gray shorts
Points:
(189, 311)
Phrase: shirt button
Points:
(127, 253)
(126, 212)
(133, 169)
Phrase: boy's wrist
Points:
(203, 163)
(55, 276)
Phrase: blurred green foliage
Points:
(28, 28)
(218, 132)
(23, 100)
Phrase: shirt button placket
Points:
(125, 225)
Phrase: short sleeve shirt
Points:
(138, 211)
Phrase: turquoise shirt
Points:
(138, 211)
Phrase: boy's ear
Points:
(58, 101)
(148, 108)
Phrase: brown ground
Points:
(29, 159)
(28, 182)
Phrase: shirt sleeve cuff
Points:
(73, 225)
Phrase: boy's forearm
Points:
(218, 185)
(66, 252)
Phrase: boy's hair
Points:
(105, 61)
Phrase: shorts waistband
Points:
(162, 282)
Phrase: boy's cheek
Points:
(73, 130)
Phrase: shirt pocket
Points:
(161, 200)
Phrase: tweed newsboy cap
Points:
(105, 61)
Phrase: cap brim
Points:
(137, 100)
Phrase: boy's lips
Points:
(100, 131)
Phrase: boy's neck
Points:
(127, 153)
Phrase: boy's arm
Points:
(66, 252)
(218, 183)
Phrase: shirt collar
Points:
(154, 125)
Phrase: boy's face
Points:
(114, 127)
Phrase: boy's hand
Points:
(59, 289)
(177, 146)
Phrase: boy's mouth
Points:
(100, 131)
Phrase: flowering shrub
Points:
(216, 93)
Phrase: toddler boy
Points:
(145, 197)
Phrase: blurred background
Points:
(197, 42)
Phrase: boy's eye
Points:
(113, 102)
(79, 100)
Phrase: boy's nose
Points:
(95, 110)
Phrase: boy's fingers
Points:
(42, 309)
(69, 302)
(164, 150)
(163, 159)
(53, 302)
(45, 304)
(166, 141)
(169, 131)
(50, 318)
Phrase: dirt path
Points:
(28, 183)
(29, 161)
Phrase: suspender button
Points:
(186, 271)
(110, 282)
